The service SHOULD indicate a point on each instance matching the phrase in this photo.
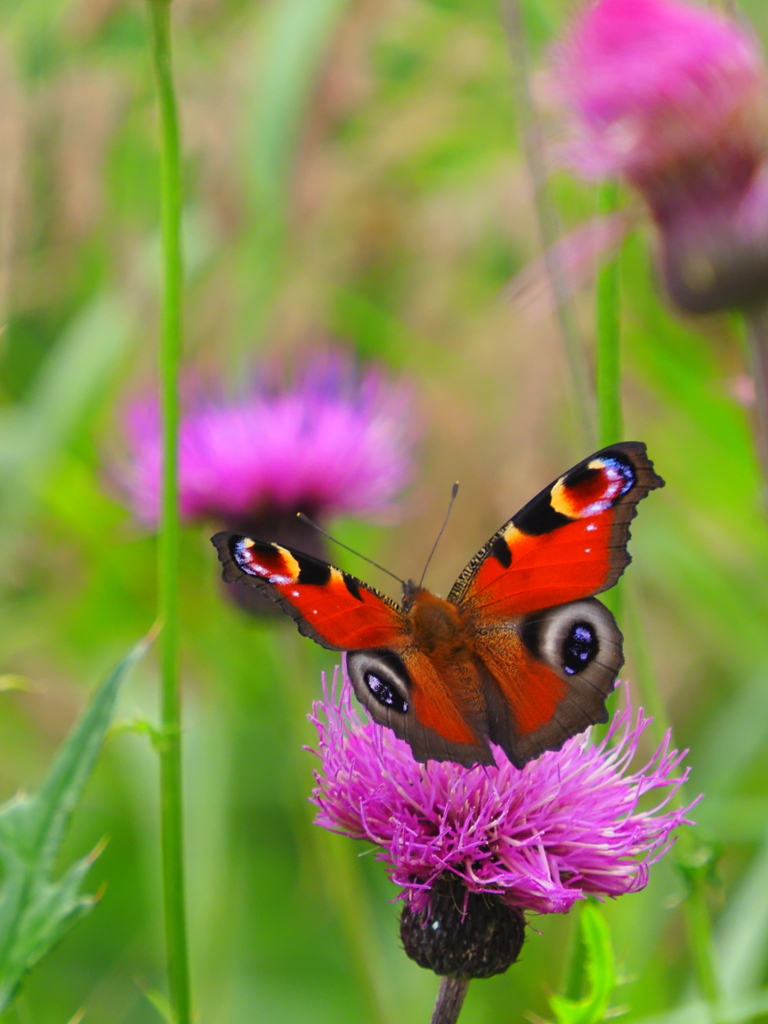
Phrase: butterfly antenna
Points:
(454, 492)
(308, 521)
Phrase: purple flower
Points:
(657, 83)
(570, 824)
(335, 440)
(671, 97)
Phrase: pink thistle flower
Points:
(671, 96)
(336, 440)
(566, 826)
(655, 82)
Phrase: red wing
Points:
(548, 676)
(438, 709)
(569, 542)
(330, 606)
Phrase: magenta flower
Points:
(336, 440)
(671, 96)
(654, 83)
(567, 825)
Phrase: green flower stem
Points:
(757, 338)
(450, 999)
(689, 849)
(609, 414)
(171, 812)
(644, 671)
(693, 858)
(696, 914)
(575, 980)
(546, 215)
(608, 356)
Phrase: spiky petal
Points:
(567, 825)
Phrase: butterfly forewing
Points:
(331, 607)
(569, 542)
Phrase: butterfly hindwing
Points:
(439, 710)
(331, 607)
(569, 542)
(548, 675)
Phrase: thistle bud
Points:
(671, 97)
(462, 934)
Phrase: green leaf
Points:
(36, 911)
(600, 970)
(33, 435)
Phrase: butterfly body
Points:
(520, 653)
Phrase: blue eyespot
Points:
(580, 647)
(385, 694)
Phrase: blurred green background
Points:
(353, 172)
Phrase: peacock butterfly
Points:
(520, 654)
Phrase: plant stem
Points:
(608, 357)
(546, 215)
(450, 1000)
(698, 928)
(609, 413)
(692, 857)
(757, 337)
(576, 967)
(171, 808)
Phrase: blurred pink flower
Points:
(671, 96)
(566, 826)
(335, 440)
(653, 83)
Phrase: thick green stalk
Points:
(756, 321)
(696, 914)
(609, 413)
(171, 812)
(610, 430)
(608, 355)
(576, 965)
(693, 858)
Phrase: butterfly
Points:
(520, 654)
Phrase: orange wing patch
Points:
(532, 691)
(439, 697)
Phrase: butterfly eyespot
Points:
(622, 471)
(384, 693)
(381, 682)
(580, 647)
